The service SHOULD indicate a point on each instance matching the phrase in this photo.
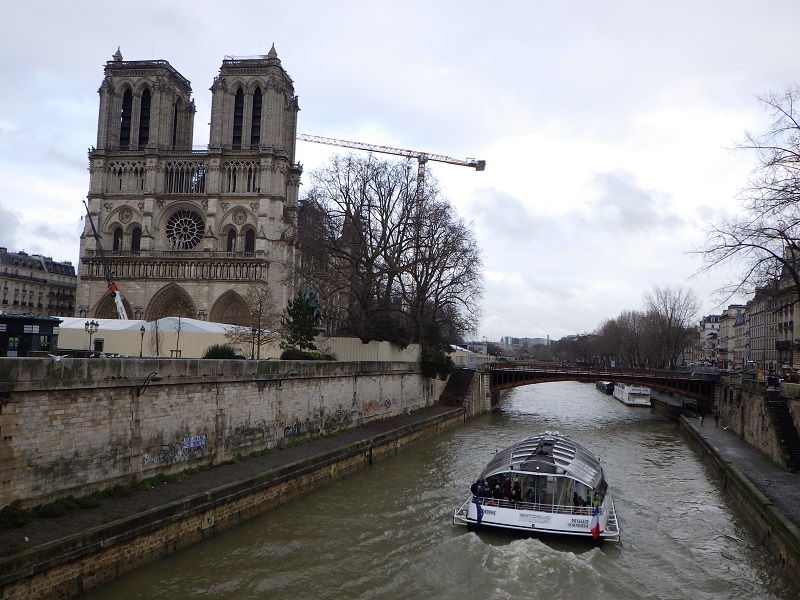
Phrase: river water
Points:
(388, 533)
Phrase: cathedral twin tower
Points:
(186, 232)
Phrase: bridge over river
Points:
(699, 386)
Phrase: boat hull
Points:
(568, 521)
(632, 395)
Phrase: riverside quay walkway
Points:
(765, 492)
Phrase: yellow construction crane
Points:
(422, 157)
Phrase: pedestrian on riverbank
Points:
(701, 420)
(716, 419)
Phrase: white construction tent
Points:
(178, 337)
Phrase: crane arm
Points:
(112, 287)
(422, 157)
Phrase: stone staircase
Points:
(457, 387)
(786, 430)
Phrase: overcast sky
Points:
(606, 126)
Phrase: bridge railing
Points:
(601, 372)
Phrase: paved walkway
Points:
(45, 531)
(780, 487)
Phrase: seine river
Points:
(388, 533)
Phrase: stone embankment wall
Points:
(76, 425)
(777, 533)
(742, 407)
(70, 567)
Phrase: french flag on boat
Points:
(480, 510)
(594, 525)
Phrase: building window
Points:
(238, 116)
(136, 239)
(250, 241)
(125, 120)
(44, 342)
(184, 229)
(255, 123)
(144, 120)
(117, 239)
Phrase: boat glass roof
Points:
(548, 453)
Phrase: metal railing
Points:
(563, 509)
(599, 372)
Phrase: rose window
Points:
(185, 229)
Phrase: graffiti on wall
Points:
(169, 454)
(292, 430)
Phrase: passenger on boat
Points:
(507, 488)
(497, 494)
(516, 494)
(580, 503)
(474, 487)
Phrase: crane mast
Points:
(112, 287)
(422, 157)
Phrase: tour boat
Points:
(632, 395)
(545, 484)
(607, 387)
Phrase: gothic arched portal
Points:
(170, 301)
(107, 308)
(230, 308)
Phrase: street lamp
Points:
(91, 328)
(141, 343)
(151, 377)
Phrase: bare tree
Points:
(763, 241)
(609, 342)
(263, 321)
(672, 312)
(388, 264)
(633, 328)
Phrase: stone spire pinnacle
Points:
(117, 55)
(272, 57)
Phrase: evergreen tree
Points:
(300, 322)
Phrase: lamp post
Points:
(141, 343)
(151, 377)
(91, 328)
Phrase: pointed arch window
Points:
(144, 120)
(136, 239)
(255, 122)
(118, 239)
(250, 241)
(238, 117)
(231, 242)
(125, 119)
(175, 111)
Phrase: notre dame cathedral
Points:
(186, 232)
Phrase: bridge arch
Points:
(700, 387)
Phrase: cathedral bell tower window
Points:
(238, 117)
(255, 122)
(144, 120)
(125, 120)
